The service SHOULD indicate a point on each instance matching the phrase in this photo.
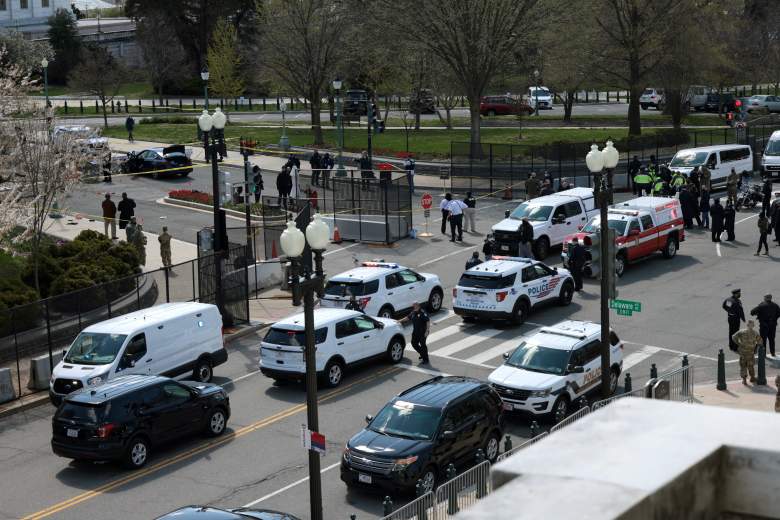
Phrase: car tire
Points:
(520, 312)
(644, 107)
(334, 373)
(620, 264)
(203, 371)
(562, 404)
(386, 312)
(435, 300)
(541, 248)
(137, 453)
(670, 249)
(395, 350)
(428, 478)
(614, 378)
(216, 423)
(491, 447)
(566, 294)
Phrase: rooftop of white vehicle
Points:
(129, 323)
(322, 316)
(367, 270)
(499, 264)
(575, 330)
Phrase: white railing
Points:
(463, 491)
(420, 508)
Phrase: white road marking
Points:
(678, 352)
(443, 333)
(746, 218)
(468, 341)
(427, 371)
(449, 314)
(288, 486)
(498, 350)
(446, 256)
(717, 248)
(236, 380)
(637, 357)
(340, 249)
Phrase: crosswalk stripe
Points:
(637, 357)
(498, 350)
(433, 337)
(466, 342)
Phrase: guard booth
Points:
(233, 273)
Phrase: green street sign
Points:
(625, 305)
(625, 312)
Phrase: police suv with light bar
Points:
(507, 288)
(383, 289)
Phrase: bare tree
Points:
(302, 39)
(473, 37)
(447, 90)
(100, 75)
(224, 62)
(164, 56)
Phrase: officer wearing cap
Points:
(767, 313)
(733, 308)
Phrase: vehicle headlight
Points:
(347, 455)
(94, 381)
(402, 464)
(541, 393)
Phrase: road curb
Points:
(246, 331)
(206, 207)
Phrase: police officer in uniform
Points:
(747, 341)
(733, 308)
(576, 262)
(678, 181)
(717, 215)
(352, 304)
(767, 312)
(729, 217)
(421, 325)
(473, 261)
(731, 186)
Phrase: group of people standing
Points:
(745, 342)
(539, 188)
(453, 211)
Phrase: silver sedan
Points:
(763, 103)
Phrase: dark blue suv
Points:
(422, 430)
(126, 417)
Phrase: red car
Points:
(503, 105)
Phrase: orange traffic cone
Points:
(508, 193)
(273, 249)
(336, 236)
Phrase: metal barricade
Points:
(516, 449)
(463, 491)
(676, 385)
(582, 412)
(418, 509)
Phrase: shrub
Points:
(49, 268)
(192, 196)
(173, 119)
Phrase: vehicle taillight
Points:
(363, 302)
(501, 296)
(454, 292)
(104, 432)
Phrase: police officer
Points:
(165, 247)
(576, 262)
(767, 312)
(733, 308)
(766, 192)
(421, 325)
(747, 340)
(642, 182)
(716, 215)
(532, 186)
(678, 181)
(352, 304)
(634, 168)
(473, 260)
(731, 186)
(488, 246)
(729, 216)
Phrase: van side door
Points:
(135, 359)
(648, 238)
(558, 228)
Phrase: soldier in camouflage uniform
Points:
(165, 247)
(747, 341)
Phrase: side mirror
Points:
(369, 418)
(380, 325)
(448, 435)
(64, 353)
(555, 270)
(142, 410)
(575, 369)
(131, 362)
(506, 356)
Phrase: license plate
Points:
(504, 248)
(365, 479)
(73, 433)
(508, 406)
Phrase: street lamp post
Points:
(340, 172)
(205, 77)
(536, 92)
(213, 128)
(45, 66)
(305, 285)
(284, 142)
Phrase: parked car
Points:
(763, 103)
(355, 103)
(213, 513)
(541, 95)
(421, 431)
(422, 102)
(125, 418)
(714, 101)
(503, 105)
(87, 138)
(770, 159)
(652, 97)
(697, 95)
(162, 161)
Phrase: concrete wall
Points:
(15, 16)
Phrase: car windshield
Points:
(595, 224)
(539, 359)
(534, 213)
(773, 148)
(689, 158)
(408, 420)
(293, 338)
(92, 348)
(486, 282)
(540, 91)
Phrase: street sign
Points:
(426, 201)
(314, 441)
(625, 307)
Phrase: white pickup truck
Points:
(553, 218)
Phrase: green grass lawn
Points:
(426, 144)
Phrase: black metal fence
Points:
(47, 326)
(490, 168)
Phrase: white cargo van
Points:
(719, 160)
(770, 160)
(168, 339)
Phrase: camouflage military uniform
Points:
(165, 247)
(747, 340)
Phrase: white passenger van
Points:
(770, 159)
(167, 339)
(719, 160)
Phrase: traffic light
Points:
(738, 104)
(609, 266)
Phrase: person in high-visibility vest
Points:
(659, 187)
(678, 181)
(643, 182)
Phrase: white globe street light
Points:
(219, 118)
(205, 121)
(292, 240)
(44, 63)
(611, 156)
(337, 84)
(317, 234)
(595, 159)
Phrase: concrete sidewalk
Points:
(737, 395)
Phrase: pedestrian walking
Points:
(767, 312)
(470, 212)
(455, 208)
(129, 126)
(634, 168)
(421, 326)
(526, 240)
(734, 312)
(109, 216)
(130, 230)
(747, 341)
(353, 305)
(488, 246)
(473, 260)
(445, 213)
(292, 160)
(766, 191)
(257, 183)
(126, 210)
(284, 187)
(366, 170)
(106, 166)
(576, 253)
(531, 186)
(409, 166)
(689, 208)
(704, 208)
(774, 219)
(763, 230)
(718, 215)
(315, 161)
(547, 188)
(731, 187)
(165, 247)
(327, 169)
(729, 218)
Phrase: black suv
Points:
(212, 513)
(416, 435)
(125, 417)
(355, 103)
(714, 100)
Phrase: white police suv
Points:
(507, 288)
(383, 289)
(555, 366)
